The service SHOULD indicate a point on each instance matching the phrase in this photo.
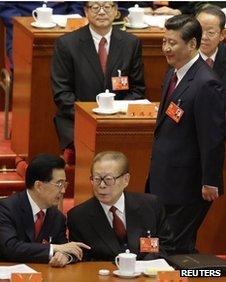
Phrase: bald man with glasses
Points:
(88, 60)
(114, 220)
(32, 229)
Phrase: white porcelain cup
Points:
(105, 100)
(43, 15)
(136, 16)
(126, 263)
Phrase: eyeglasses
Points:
(210, 33)
(107, 7)
(60, 185)
(108, 180)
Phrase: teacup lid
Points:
(127, 254)
(44, 7)
(107, 93)
(136, 8)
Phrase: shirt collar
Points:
(97, 37)
(35, 208)
(213, 57)
(183, 70)
(120, 205)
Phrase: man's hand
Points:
(58, 260)
(209, 193)
(74, 248)
(167, 11)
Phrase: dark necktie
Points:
(102, 52)
(118, 225)
(39, 221)
(172, 85)
(209, 61)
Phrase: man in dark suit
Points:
(32, 229)
(188, 148)
(140, 215)
(79, 73)
(212, 48)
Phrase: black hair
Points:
(188, 26)
(41, 168)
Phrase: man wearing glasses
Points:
(113, 220)
(212, 50)
(88, 60)
(32, 229)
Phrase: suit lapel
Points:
(89, 51)
(114, 50)
(178, 92)
(133, 224)
(27, 216)
(102, 227)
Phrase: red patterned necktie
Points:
(118, 225)
(39, 221)
(172, 85)
(102, 52)
(209, 61)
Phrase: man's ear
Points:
(38, 185)
(222, 35)
(193, 44)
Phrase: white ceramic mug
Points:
(105, 101)
(136, 16)
(43, 15)
(126, 263)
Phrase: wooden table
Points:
(88, 272)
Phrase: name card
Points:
(76, 23)
(26, 277)
(143, 110)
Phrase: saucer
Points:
(105, 112)
(117, 273)
(143, 25)
(37, 25)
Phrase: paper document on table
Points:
(158, 20)
(122, 105)
(6, 271)
(157, 264)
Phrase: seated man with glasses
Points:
(32, 229)
(113, 220)
(212, 48)
(88, 61)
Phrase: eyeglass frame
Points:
(57, 184)
(210, 34)
(102, 179)
(100, 6)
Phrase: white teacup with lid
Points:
(43, 15)
(105, 101)
(136, 16)
(126, 263)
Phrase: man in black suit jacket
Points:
(188, 148)
(141, 215)
(77, 74)
(21, 239)
(212, 20)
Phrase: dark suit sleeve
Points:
(76, 236)
(210, 122)
(62, 71)
(136, 76)
(12, 248)
(163, 232)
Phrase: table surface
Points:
(88, 272)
